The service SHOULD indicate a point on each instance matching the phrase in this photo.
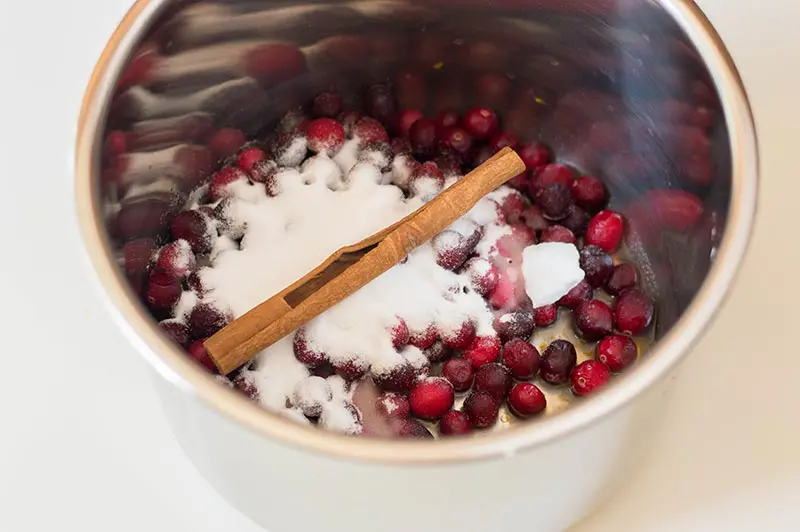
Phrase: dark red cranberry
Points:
(558, 233)
(624, 276)
(425, 338)
(459, 372)
(445, 120)
(246, 386)
(406, 119)
(589, 193)
(177, 331)
(480, 122)
(305, 353)
(401, 146)
(502, 139)
(438, 352)
(325, 135)
(526, 400)
(350, 370)
(576, 220)
(589, 376)
(397, 380)
(593, 320)
(392, 405)
(400, 334)
(177, 259)
(558, 360)
(480, 154)
(482, 274)
(263, 171)
(199, 354)
(454, 423)
(578, 294)
(248, 157)
(369, 130)
(597, 265)
(483, 350)
(459, 338)
(327, 105)
(550, 174)
(195, 228)
(431, 398)
(554, 200)
(163, 290)
(605, 231)
(481, 409)
(458, 140)
(206, 319)
(633, 311)
(380, 104)
(617, 351)
(226, 142)
(495, 379)
(411, 428)
(546, 315)
(514, 324)
(534, 154)
(521, 358)
(448, 163)
(422, 136)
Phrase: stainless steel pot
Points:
(640, 92)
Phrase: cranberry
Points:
(451, 249)
(401, 146)
(350, 370)
(577, 220)
(533, 154)
(482, 274)
(513, 206)
(438, 352)
(605, 231)
(493, 378)
(502, 139)
(398, 379)
(431, 398)
(444, 120)
(554, 200)
(617, 351)
(558, 360)
(226, 142)
(246, 386)
(177, 259)
(590, 193)
(449, 163)
(534, 218)
(195, 228)
(198, 352)
(480, 122)
(460, 338)
(425, 338)
(218, 188)
(177, 331)
(597, 265)
(546, 315)
(263, 171)
(370, 130)
(422, 136)
(623, 276)
(380, 104)
(549, 175)
(392, 405)
(481, 154)
(206, 319)
(514, 324)
(406, 119)
(163, 290)
(327, 105)
(400, 334)
(195, 282)
(248, 157)
(481, 409)
(454, 423)
(459, 372)
(521, 358)
(633, 311)
(558, 233)
(325, 135)
(593, 320)
(579, 293)
(411, 428)
(458, 140)
(144, 218)
(483, 350)
(526, 400)
(589, 376)
(503, 294)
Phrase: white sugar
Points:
(551, 269)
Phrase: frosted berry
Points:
(481, 409)
(483, 350)
(325, 135)
(521, 358)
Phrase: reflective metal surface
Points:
(639, 93)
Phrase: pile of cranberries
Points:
(553, 204)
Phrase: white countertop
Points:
(84, 445)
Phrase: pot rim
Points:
(173, 365)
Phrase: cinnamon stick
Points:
(350, 268)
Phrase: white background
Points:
(83, 444)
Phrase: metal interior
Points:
(639, 93)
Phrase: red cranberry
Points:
(502, 139)
(206, 319)
(177, 258)
(350, 370)
(226, 142)
(451, 249)
(558, 233)
(546, 315)
(220, 181)
(550, 174)
(400, 334)
(558, 360)
(325, 135)
(554, 200)
(483, 350)
(526, 400)
(397, 380)
(617, 351)
(425, 338)
(445, 120)
(588, 376)
(392, 405)
(380, 104)
(579, 293)
(195, 228)
(370, 130)
(411, 428)
(198, 352)
(577, 220)
(633, 311)
(460, 338)
(533, 154)
(263, 171)
(597, 265)
(593, 320)
(605, 231)
(521, 358)
(431, 398)
(495, 379)
(459, 372)
(481, 409)
(177, 331)
(513, 206)
(454, 423)
(458, 140)
(623, 276)
(422, 136)
(305, 353)
(438, 352)
(246, 386)
(590, 193)
(406, 119)
(163, 290)
(482, 274)
(327, 105)
(514, 324)
(480, 122)
(248, 157)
